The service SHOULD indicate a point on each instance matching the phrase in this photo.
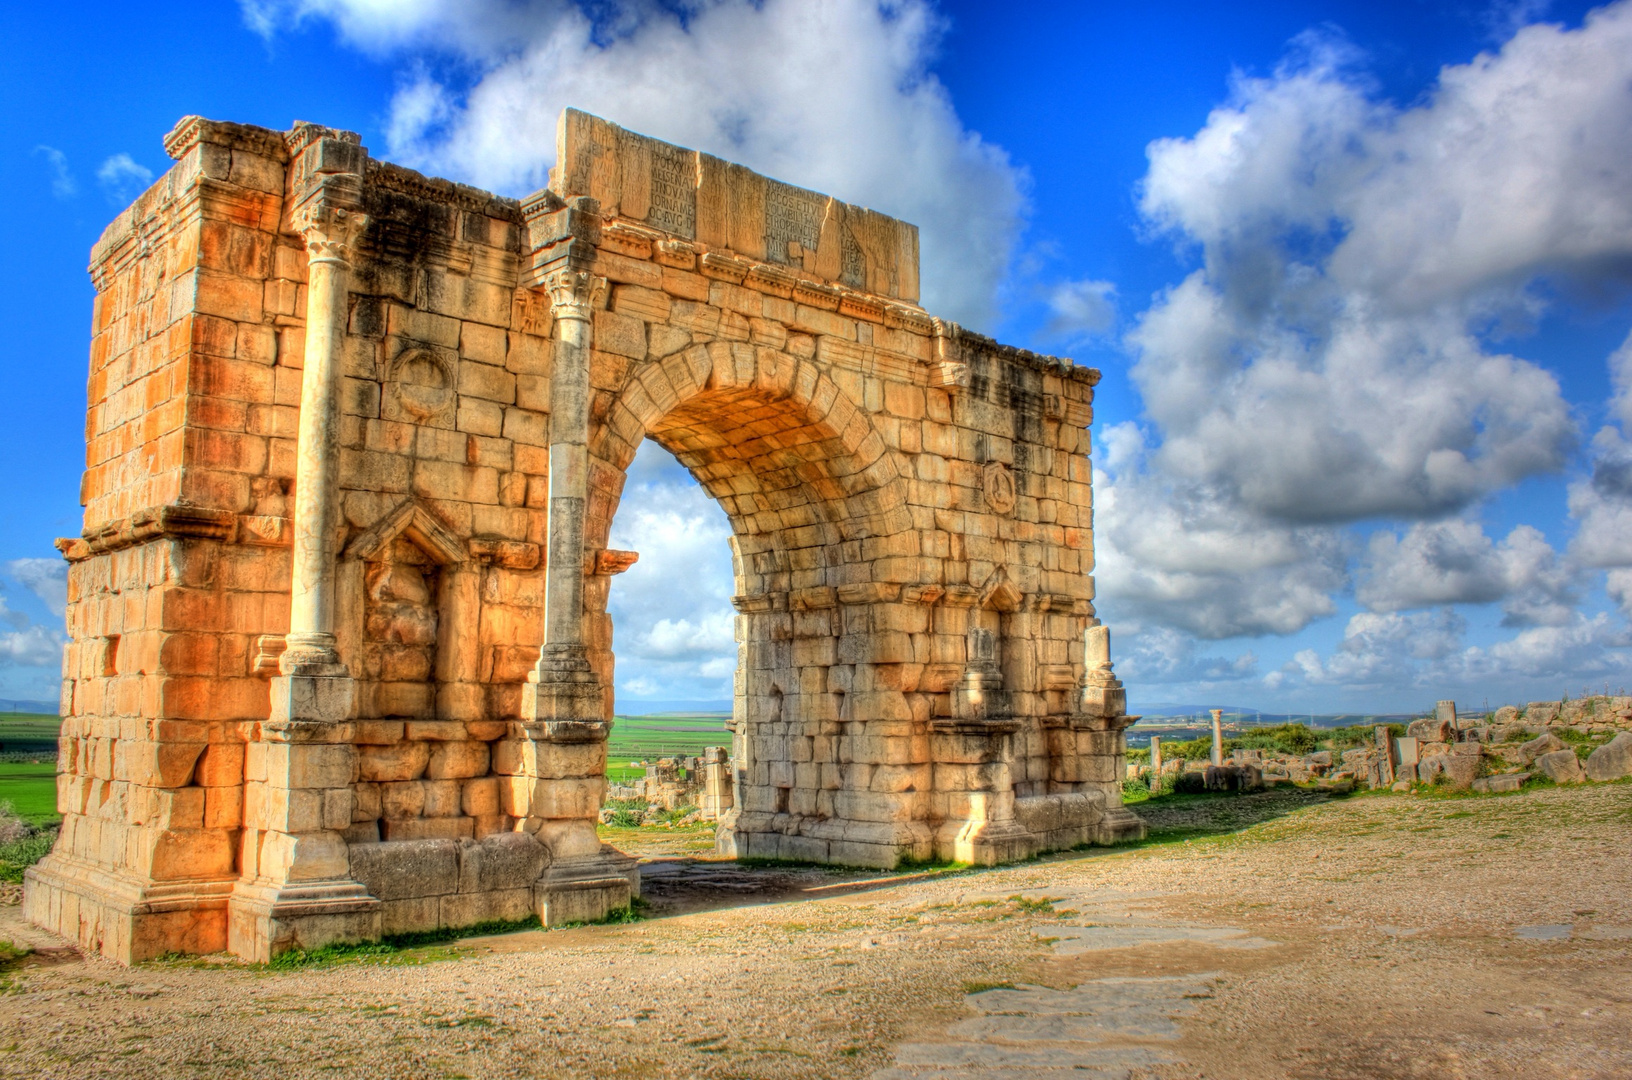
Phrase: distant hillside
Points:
(664, 706)
(1191, 715)
(46, 708)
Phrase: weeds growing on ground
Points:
(982, 987)
(21, 844)
(393, 944)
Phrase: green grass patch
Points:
(392, 948)
(32, 727)
(11, 958)
(1041, 906)
(31, 789)
(18, 855)
(982, 987)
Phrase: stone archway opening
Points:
(673, 633)
(809, 514)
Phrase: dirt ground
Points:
(1379, 936)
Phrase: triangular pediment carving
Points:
(999, 593)
(418, 524)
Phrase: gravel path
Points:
(1384, 936)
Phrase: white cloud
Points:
(63, 184)
(671, 611)
(123, 178)
(1080, 309)
(1160, 656)
(835, 96)
(1173, 553)
(1385, 654)
(29, 645)
(46, 579)
(32, 646)
(1454, 562)
(1330, 361)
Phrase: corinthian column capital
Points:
(574, 293)
(331, 232)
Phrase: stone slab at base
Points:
(799, 848)
(267, 921)
(985, 843)
(1120, 826)
(125, 920)
(587, 888)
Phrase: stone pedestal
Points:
(586, 888)
(124, 917)
(297, 890)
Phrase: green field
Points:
(31, 790)
(647, 738)
(28, 728)
(30, 786)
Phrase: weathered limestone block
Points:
(1561, 767)
(506, 861)
(401, 761)
(405, 869)
(1612, 761)
(1431, 730)
(1545, 743)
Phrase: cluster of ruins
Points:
(703, 783)
(1492, 752)
(340, 663)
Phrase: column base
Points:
(985, 843)
(124, 918)
(586, 888)
(266, 920)
(1120, 826)
(312, 698)
(564, 694)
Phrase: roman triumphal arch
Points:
(340, 661)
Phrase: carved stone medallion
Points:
(999, 487)
(421, 384)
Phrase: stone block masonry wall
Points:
(355, 443)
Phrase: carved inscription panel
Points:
(792, 216)
(673, 190)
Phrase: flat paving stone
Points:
(1070, 940)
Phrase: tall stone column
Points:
(296, 890)
(563, 717)
(563, 692)
(314, 684)
(1218, 736)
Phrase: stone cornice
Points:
(403, 181)
(174, 520)
(192, 130)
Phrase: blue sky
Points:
(1355, 275)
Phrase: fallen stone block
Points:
(1491, 785)
(1611, 761)
(1561, 767)
(1546, 743)
(1430, 730)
